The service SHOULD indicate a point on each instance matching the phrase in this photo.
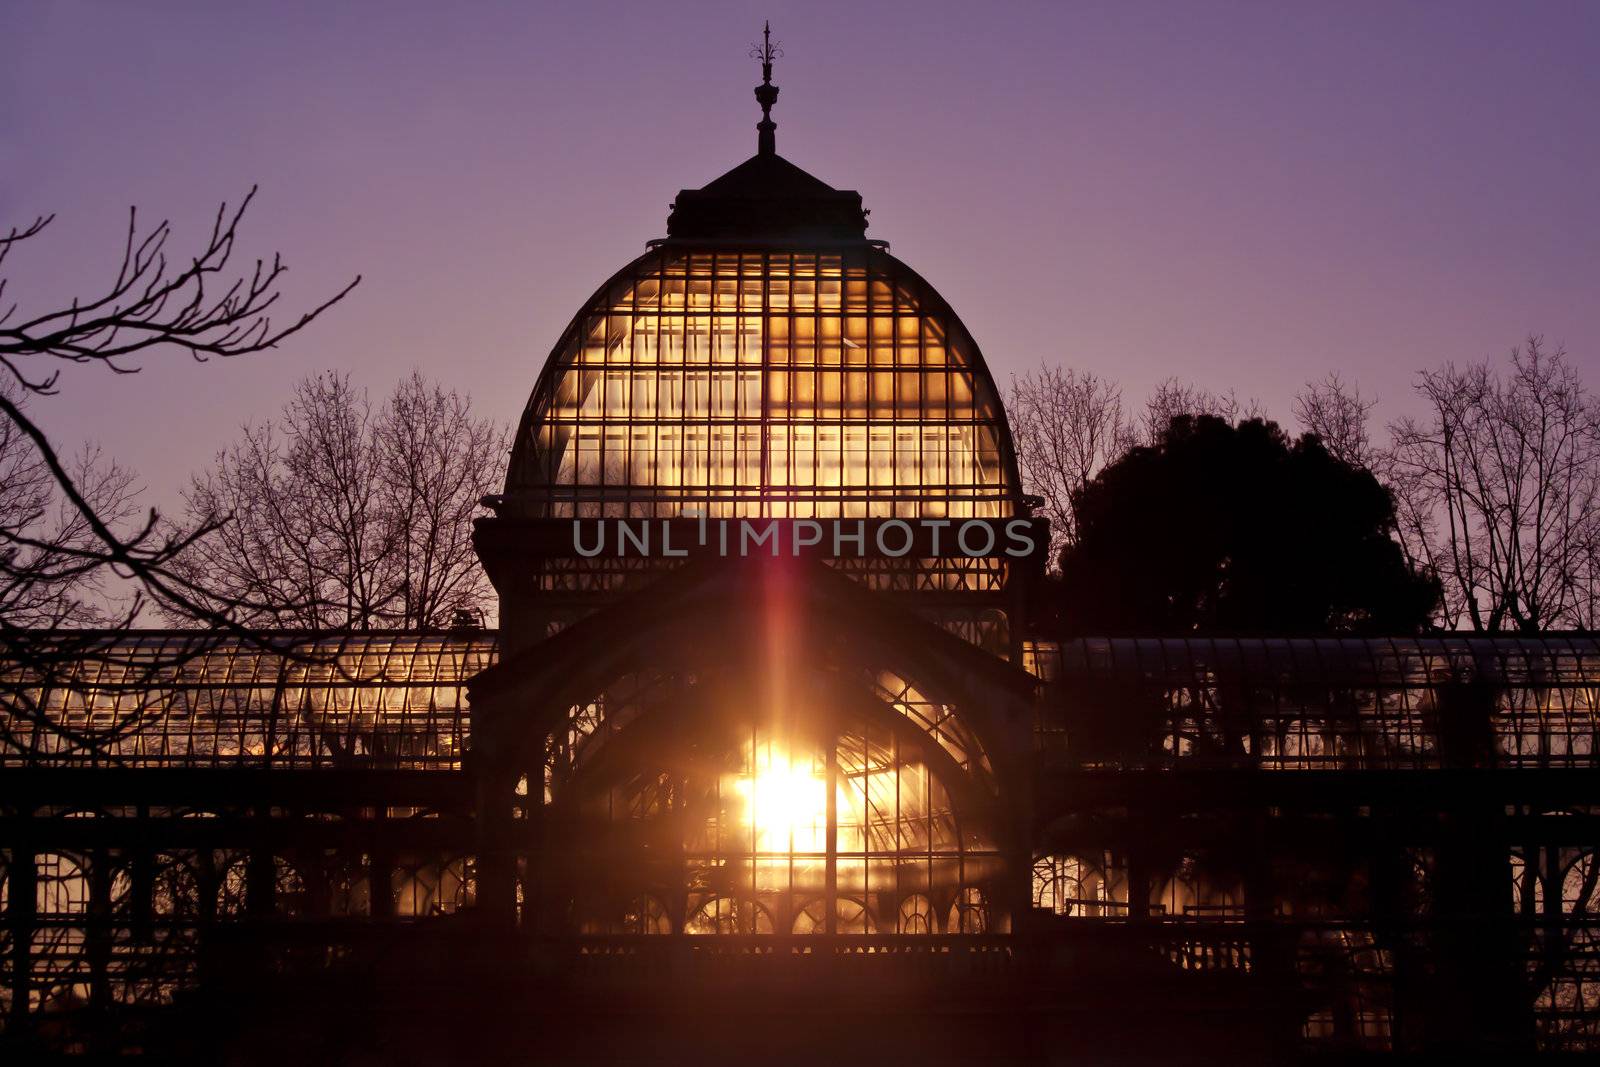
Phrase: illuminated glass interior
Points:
(909, 855)
(727, 828)
(790, 385)
(191, 698)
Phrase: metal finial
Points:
(766, 51)
(766, 92)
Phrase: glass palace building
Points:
(768, 760)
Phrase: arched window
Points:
(970, 912)
(915, 915)
(850, 917)
(62, 887)
(728, 915)
(744, 825)
(431, 886)
(1080, 886)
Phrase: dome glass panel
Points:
(765, 383)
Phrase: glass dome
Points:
(831, 382)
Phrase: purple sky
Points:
(1247, 195)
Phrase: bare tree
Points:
(334, 516)
(1337, 413)
(149, 307)
(292, 515)
(1067, 426)
(1498, 491)
(72, 522)
(48, 574)
(1174, 397)
(1586, 579)
(436, 462)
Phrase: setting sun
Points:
(786, 802)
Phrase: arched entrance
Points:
(768, 761)
(728, 808)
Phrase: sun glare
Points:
(786, 802)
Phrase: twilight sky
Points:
(1246, 195)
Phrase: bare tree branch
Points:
(334, 516)
(1498, 490)
(1067, 426)
(1174, 397)
(66, 526)
(1337, 413)
(149, 307)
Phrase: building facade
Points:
(769, 742)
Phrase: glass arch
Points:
(768, 383)
(735, 832)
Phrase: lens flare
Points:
(786, 802)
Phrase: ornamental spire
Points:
(766, 92)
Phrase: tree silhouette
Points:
(341, 514)
(50, 573)
(1498, 487)
(155, 306)
(1223, 528)
(65, 522)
